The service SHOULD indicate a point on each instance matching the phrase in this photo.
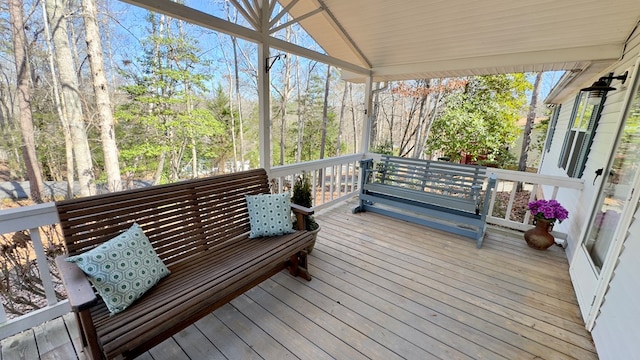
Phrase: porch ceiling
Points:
(409, 39)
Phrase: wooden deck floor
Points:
(382, 289)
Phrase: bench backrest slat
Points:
(181, 219)
(455, 180)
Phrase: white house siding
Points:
(550, 166)
(617, 331)
(617, 328)
(603, 142)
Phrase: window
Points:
(577, 142)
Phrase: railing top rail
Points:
(561, 181)
(28, 217)
(283, 170)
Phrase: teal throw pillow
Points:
(269, 215)
(123, 268)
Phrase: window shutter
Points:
(552, 127)
(585, 148)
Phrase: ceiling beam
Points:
(252, 17)
(314, 55)
(284, 11)
(211, 22)
(298, 19)
(587, 53)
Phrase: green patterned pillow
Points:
(123, 268)
(269, 215)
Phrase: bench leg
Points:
(298, 265)
(89, 336)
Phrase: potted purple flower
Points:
(545, 214)
(549, 210)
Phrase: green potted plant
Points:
(302, 196)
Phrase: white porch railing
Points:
(333, 180)
(32, 219)
(534, 183)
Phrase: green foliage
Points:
(385, 148)
(165, 113)
(541, 128)
(303, 197)
(481, 120)
(302, 191)
(311, 105)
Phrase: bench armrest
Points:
(79, 290)
(301, 209)
(300, 212)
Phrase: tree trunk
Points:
(354, 120)
(103, 101)
(423, 116)
(238, 99)
(373, 140)
(23, 71)
(325, 112)
(60, 108)
(341, 121)
(157, 176)
(283, 105)
(531, 116)
(71, 96)
(299, 112)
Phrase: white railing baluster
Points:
(532, 196)
(512, 198)
(493, 197)
(537, 182)
(3, 315)
(340, 180)
(43, 266)
(32, 218)
(332, 180)
(327, 167)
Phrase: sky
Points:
(132, 28)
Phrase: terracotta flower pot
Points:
(540, 237)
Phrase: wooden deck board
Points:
(196, 345)
(502, 293)
(382, 289)
(224, 339)
(21, 346)
(334, 346)
(464, 304)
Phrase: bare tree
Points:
(285, 94)
(343, 106)
(103, 101)
(23, 71)
(325, 112)
(71, 96)
(354, 120)
(59, 106)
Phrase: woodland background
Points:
(102, 93)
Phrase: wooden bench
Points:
(199, 228)
(441, 195)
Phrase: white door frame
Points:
(606, 273)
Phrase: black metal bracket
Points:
(269, 61)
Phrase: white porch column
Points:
(264, 90)
(368, 103)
